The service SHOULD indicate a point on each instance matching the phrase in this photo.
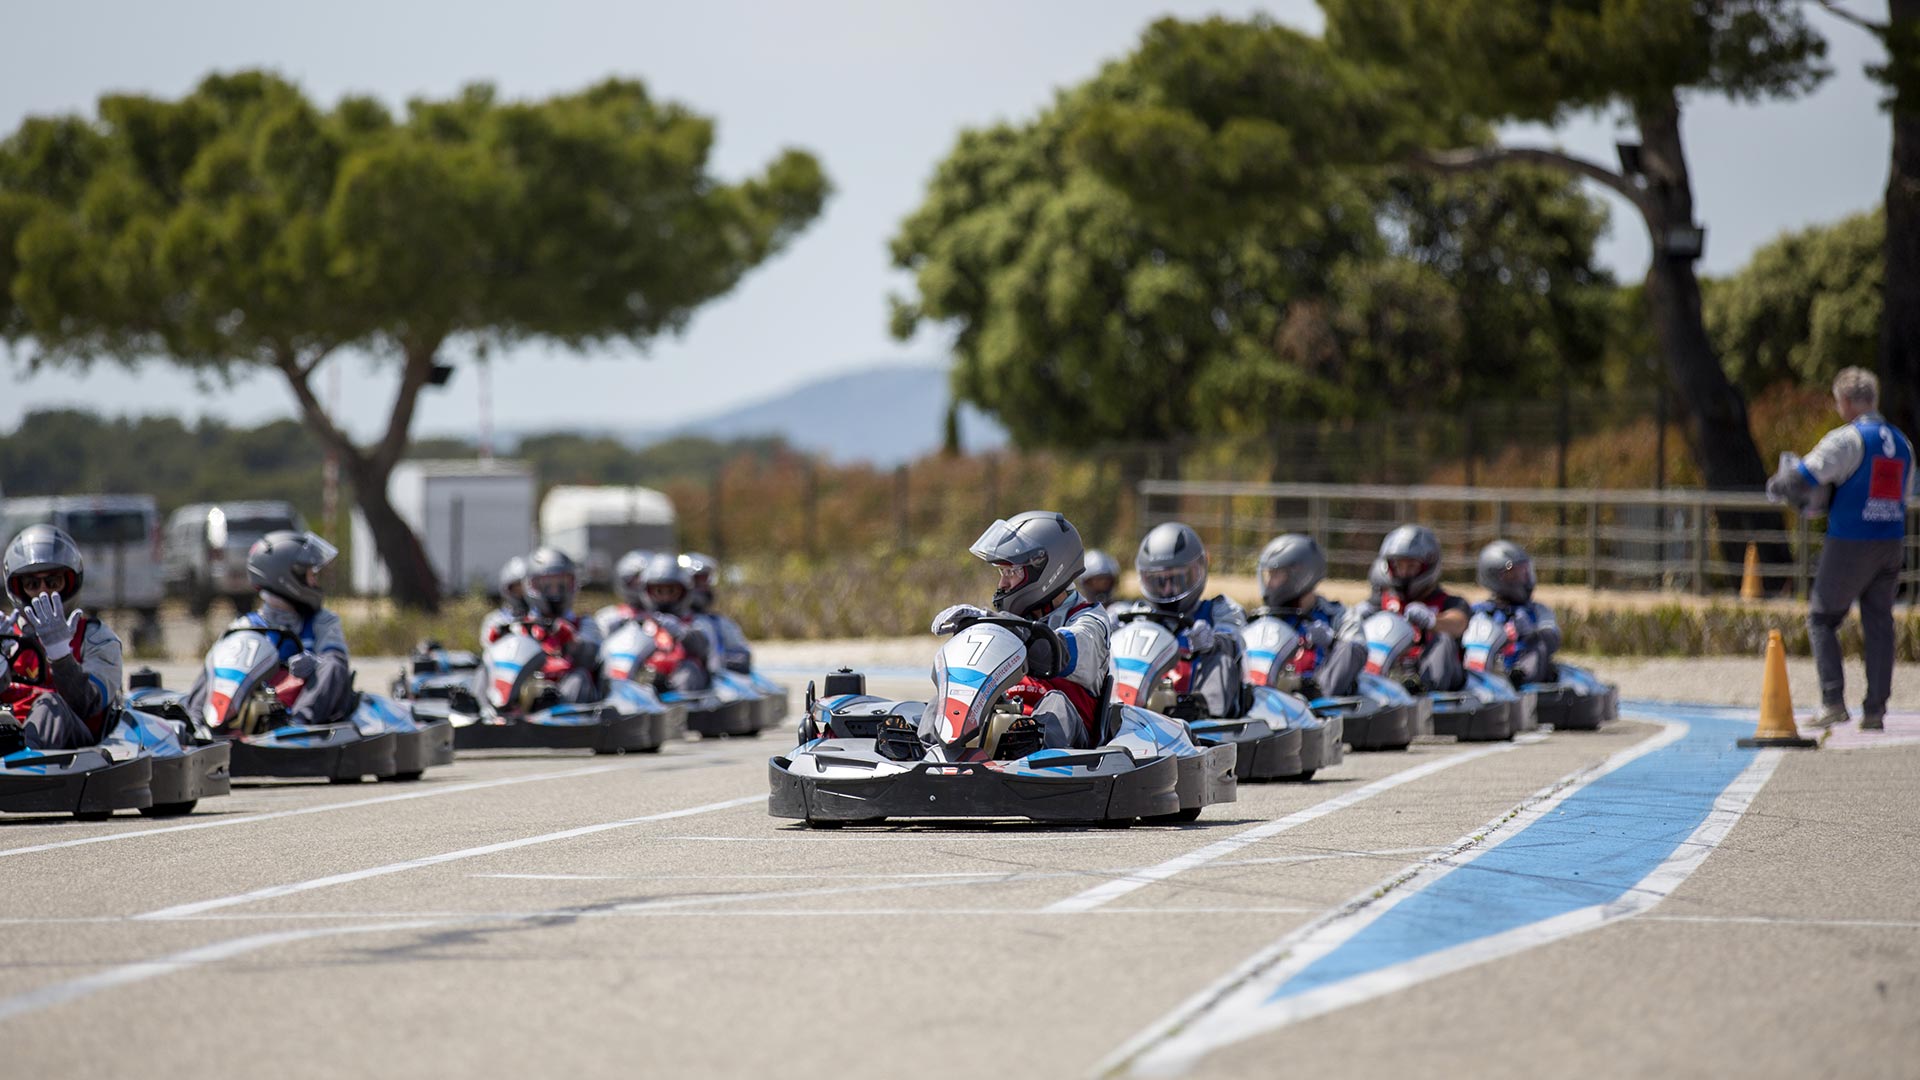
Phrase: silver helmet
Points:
(702, 569)
(1172, 564)
(1506, 570)
(629, 578)
(669, 585)
(513, 585)
(1038, 554)
(288, 564)
(1098, 577)
(1410, 555)
(1289, 568)
(552, 579)
(40, 549)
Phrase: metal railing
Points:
(1663, 540)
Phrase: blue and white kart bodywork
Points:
(729, 706)
(144, 762)
(1489, 709)
(1576, 701)
(377, 738)
(1277, 737)
(971, 752)
(496, 702)
(1379, 715)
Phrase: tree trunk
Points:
(414, 584)
(1717, 429)
(1900, 296)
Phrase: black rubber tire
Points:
(171, 809)
(604, 752)
(92, 815)
(343, 779)
(649, 750)
(816, 823)
(404, 777)
(1304, 776)
(1118, 822)
(1178, 817)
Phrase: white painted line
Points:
(1788, 920)
(414, 793)
(1107, 892)
(60, 993)
(273, 891)
(1210, 1020)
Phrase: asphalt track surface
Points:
(1642, 900)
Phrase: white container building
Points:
(472, 516)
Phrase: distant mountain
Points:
(882, 415)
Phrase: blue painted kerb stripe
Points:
(1589, 850)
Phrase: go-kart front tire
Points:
(1179, 817)
(172, 809)
(92, 815)
(405, 777)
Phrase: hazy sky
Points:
(877, 88)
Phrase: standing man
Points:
(1862, 470)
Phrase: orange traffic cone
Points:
(1750, 576)
(1776, 727)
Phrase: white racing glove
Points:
(302, 665)
(46, 616)
(949, 620)
(1200, 637)
(1419, 615)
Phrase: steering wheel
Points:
(31, 644)
(1174, 623)
(1022, 628)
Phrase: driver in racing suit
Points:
(1335, 652)
(1506, 571)
(284, 568)
(729, 642)
(69, 705)
(669, 585)
(1406, 580)
(1098, 581)
(513, 601)
(572, 643)
(1172, 565)
(1038, 554)
(629, 588)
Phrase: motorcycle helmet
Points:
(288, 564)
(669, 585)
(1506, 571)
(1038, 555)
(552, 581)
(1172, 564)
(1411, 557)
(43, 551)
(629, 579)
(1099, 577)
(513, 585)
(702, 569)
(1290, 568)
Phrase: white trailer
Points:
(472, 516)
(597, 525)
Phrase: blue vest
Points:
(1872, 503)
(286, 643)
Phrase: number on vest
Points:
(1886, 442)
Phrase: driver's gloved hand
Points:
(1523, 624)
(46, 616)
(1420, 615)
(1200, 637)
(956, 617)
(1046, 653)
(302, 665)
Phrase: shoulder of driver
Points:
(1226, 614)
(1836, 456)
(328, 634)
(100, 640)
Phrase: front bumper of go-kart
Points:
(325, 751)
(84, 782)
(711, 716)
(199, 772)
(1261, 753)
(1063, 786)
(601, 728)
(1577, 702)
(1488, 710)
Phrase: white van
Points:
(204, 555)
(119, 537)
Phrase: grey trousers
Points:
(1440, 666)
(1867, 571)
(1339, 672)
(52, 725)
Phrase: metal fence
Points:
(1671, 540)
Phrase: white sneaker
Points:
(1829, 716)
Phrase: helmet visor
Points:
(1171, 583)
(552, 586)
(666, 593)
(1098, 584)
(1403, 568)
(1276, 580)
(1001, 544)
(1518, 575)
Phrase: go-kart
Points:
(504, 700)
(1379, 715)
(1487, 709)
(974, 751)
(645, 651)
(1575, 701)
(249, 694)
(1276, 735)
(141, 762)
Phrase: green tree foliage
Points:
(242, 226)
(1805, 306)
(1465, 64)
(1188, 243)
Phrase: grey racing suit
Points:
(328, 696)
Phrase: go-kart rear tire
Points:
(607, 751)
(1303, 777)
(171, 809)
(343, 779)
(820, 823)
(1178, 817)
(405, 777)
(92, 815)
(1122, 822)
